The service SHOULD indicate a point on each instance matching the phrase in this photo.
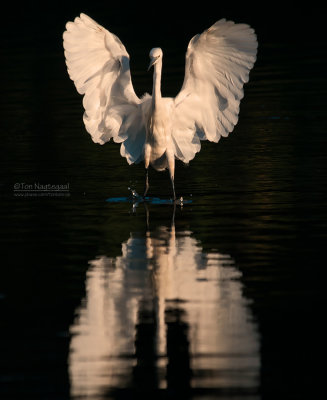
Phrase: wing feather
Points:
(98, 63)
(218, 63)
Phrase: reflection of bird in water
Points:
(156, 129)
(163, 312)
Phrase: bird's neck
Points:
(156, 92)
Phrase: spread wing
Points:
(218, 63)
(98, 63)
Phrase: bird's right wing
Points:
(218, 63)
(98, 63)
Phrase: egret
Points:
(156, 129)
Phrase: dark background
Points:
(287, 298)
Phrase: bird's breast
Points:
(158, 129)
(158, 133)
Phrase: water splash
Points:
(135, 199)
(135, 195)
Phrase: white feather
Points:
(98, 63)
(217, 65)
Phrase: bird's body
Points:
(158, 133)
(155, 129)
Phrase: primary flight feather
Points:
(156, 129)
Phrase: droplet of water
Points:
(134, 192)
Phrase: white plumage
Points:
(155, 129)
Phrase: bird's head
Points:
(155, 55)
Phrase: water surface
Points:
(100, 300)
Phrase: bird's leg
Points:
(147, 151)
(146, 187)
(171, 167)
(173, 185)
(173, 218)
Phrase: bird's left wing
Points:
(218, 62)
(98, 63)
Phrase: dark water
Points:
(218, 299)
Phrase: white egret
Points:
(153, 128)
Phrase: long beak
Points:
(152, 62)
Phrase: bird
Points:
(152, 128)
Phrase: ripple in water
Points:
(136, 198)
